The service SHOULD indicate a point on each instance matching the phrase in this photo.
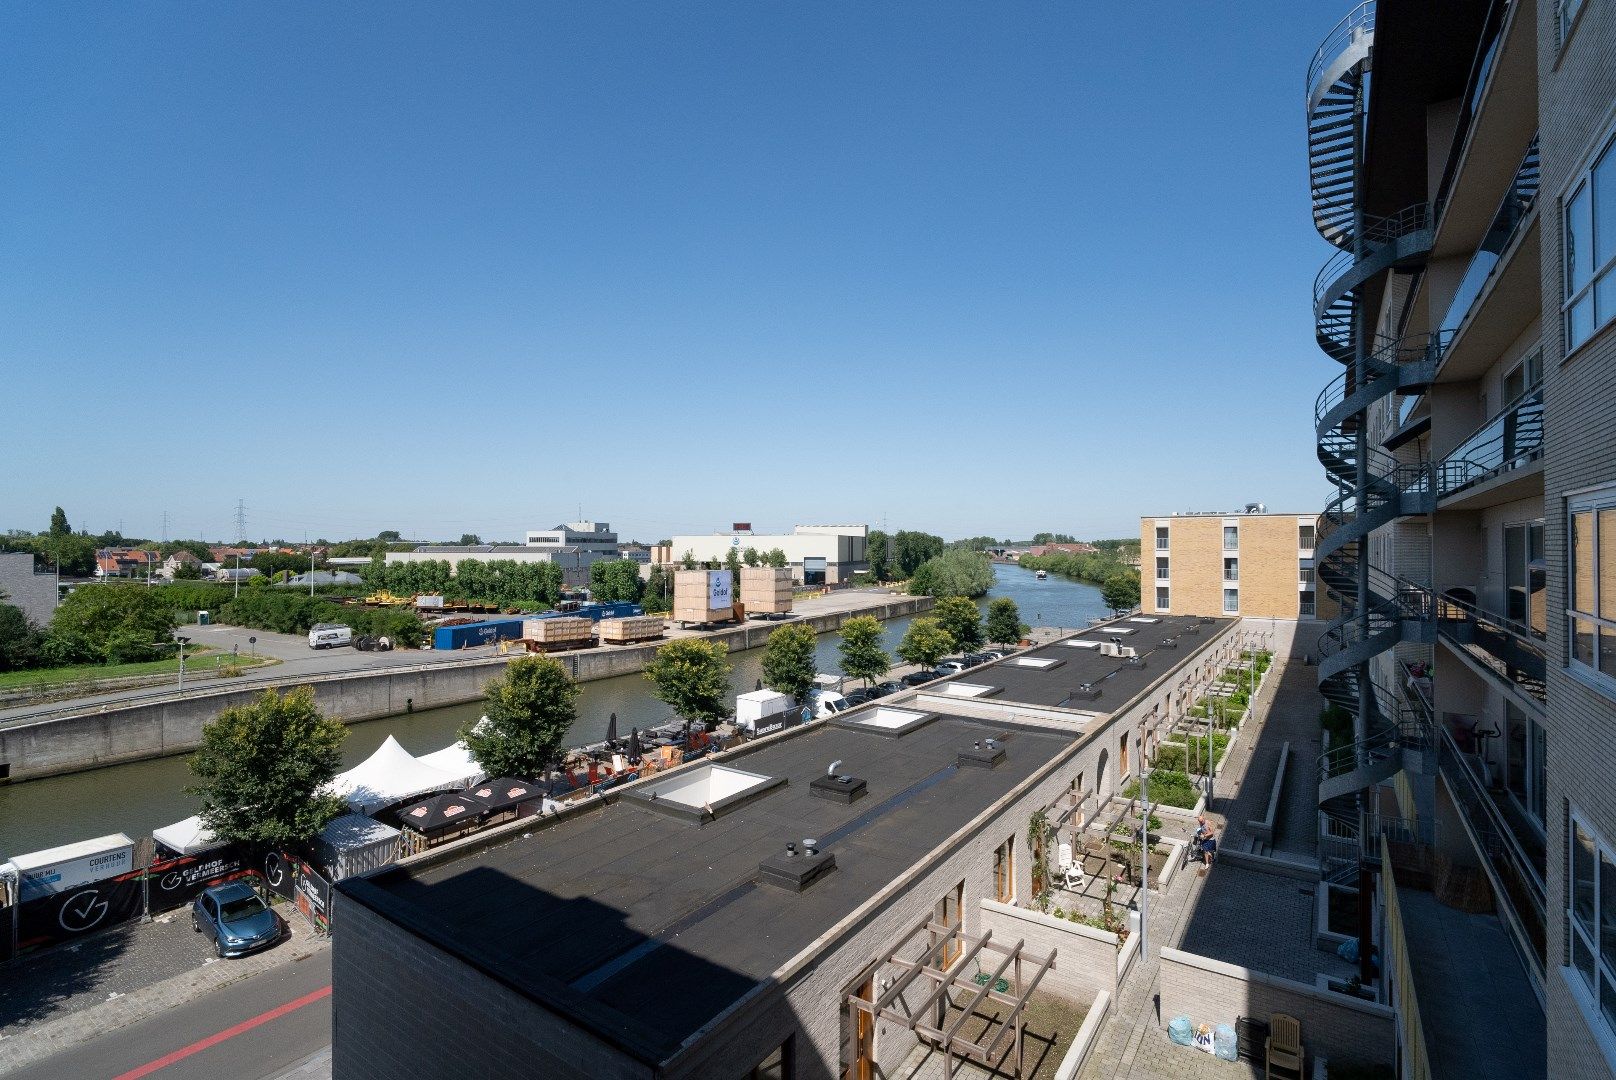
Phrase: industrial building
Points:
(1251, 563)
(574, 547)
(761, 912)
(817, 554)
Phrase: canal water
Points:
(144, 795)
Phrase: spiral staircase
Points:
(1372, 488)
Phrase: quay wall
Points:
(157, 727)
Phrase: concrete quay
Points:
(69, 737)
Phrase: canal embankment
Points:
(151, 727)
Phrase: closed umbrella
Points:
(611, 732)
(634, 746)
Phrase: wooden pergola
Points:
(936, 978)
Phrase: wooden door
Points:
(861, 1052)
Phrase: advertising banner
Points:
(314, 897)
(720, 589)
(176, 882)
(51, 920)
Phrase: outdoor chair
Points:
(1070, 869)
(1284, 1047)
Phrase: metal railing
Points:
(1509, 440)
(1513, 651)
(1359, 21)
(1514, 209)
(1388, 356)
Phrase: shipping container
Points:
(470, 635)
(59, 869)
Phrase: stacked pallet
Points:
(561, 632)
(766, 590)
(630, 629)
(702, 596)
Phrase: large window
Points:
(1306, 537)
(1161, 598)
(1231, 569)
(1591, 597)
(1524, 575)
(1524, 749)
(1590, 249)
(777, 1066)
(1307, 604)
(1231, 538)
(1161, 568)
(1004, 871)
(1231, 600)
(1161, 538)
(1591, 917)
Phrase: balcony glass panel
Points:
(1518, 202)
(1507, 441)
(1512, 651)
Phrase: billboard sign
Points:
(720, 589)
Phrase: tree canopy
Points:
(910, 549)
(1121, 590)
(961, 619)
(261, 767)
(529, 711)
(877, 556)
(114, 624)
(790, 661)
(692, 677)
(956, 572)
(861, 647)
(615, 579)
(925, 643)
(776, 558)
(1004, 621)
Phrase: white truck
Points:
(763, 710)
(330, 636)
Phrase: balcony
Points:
(1509, 652)
(1508, 442)
(1517, 204)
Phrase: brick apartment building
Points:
(1256, 564)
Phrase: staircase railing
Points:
(1359, 21)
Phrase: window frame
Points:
(1163, 598)
(1604, 971)
(1601, 265)
(1004, 871)
(1163, 568)
(1227, 530)
(1594, 503)
(1234, 595)
(1163, 537)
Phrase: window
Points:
(1231, 538)
(1231, 569)
(1306, 537)
(1524, 376)
(1304, 572)
(1524, 748)
(1591, 917)
(1004, 871)
(1161, 598)
(1590, 250)
(1122, 755)
(777, 1066)
(1524, 580)
(1307, 604)
(950, 911)
(1161, 568)
(1591, 576)
(1161, 538)
(1231, 600)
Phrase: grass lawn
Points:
(47, 677)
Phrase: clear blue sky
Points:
(970, 268)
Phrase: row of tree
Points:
(956, 572)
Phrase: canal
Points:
(144, 795)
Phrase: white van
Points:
(329, 636)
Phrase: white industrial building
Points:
(574, 546)
(817, 554)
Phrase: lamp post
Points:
(182, 639)
(1144, 849)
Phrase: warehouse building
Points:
(817, 554)
(574, 547)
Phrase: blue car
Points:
(236, 919)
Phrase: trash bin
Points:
(203, 619)
(1251, 1038)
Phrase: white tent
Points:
(186, 837)
(390, 774)
(353, 844)
(456, 759)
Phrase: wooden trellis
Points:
(936, 979)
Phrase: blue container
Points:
(470, 635)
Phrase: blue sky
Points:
(969, 268)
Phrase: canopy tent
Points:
(352, 844)
(455, 758)
(441, 812)
(188, 837)
(392, 774)
(503, 793)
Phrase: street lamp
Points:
(183, 641)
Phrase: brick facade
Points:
(1269, 566)
(36, 594)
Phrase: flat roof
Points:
(1118, 681)
(643, 926)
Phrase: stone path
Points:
(1288, 711)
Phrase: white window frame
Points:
(1591, 503)
(1163, 537)
(1603, 1026)
(1583, 180)
(1163, 573)
(1226, 608)
(1234, 546)
(1162, 598)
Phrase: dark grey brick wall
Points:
(34, 593)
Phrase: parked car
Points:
(236, 918)
(977, 659)
(950, 667)
(861, 697)
(892, 686)
(994, 654)
(919, 677)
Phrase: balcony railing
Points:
(1512, 651)
(1517, 204)
(1509, 440)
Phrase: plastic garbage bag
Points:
(1181, 1031)
(1225, 1046)
(1348, 950)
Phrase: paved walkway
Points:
(1288, 711)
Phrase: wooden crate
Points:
(563, 630)
(690, 599)
(629, 629)
(766, 590)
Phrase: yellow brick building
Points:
(1257, 565)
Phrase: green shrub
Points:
(1168, 787)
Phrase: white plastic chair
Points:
(1071, 871)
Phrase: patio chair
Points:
(1070, 869)
(1284, 1047)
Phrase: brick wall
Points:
(1268, 564)
(35, 593)
(1085, 958)
(1333, 1025)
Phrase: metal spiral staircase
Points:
(1373, 489)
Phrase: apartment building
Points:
(1462, 160)
(1255, 564)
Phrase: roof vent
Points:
(837, 787)
(1136, 661)
(794, 870)
(1084, 692)
(1169, 643)
(982, 754)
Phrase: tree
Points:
(692, 677)
(776, 558)
(529, 711)
(751, 557)
(657, 589)
(876, 553)
(261, 769)
(956, 572)
(390, 536)
(961, 619)
(470, 540)
(790, 661)
(1004, 621)
(615, 579)
(113, 624)
(910, 549)
(732, 563)
(861, 647)
(21, 643)
(688, 562)
(58, 524)
(1121, 591)
(925, 643)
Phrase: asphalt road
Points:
(249, 1030)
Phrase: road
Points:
(298, 661)
(249, 1030)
